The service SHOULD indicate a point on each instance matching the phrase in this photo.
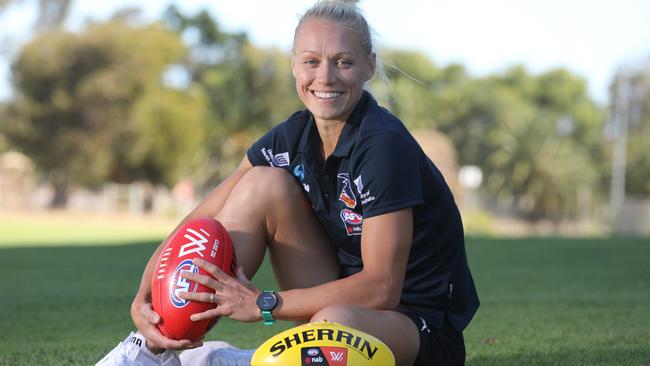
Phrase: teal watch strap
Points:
(267, 301)
(268, 317)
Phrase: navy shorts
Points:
(439, 347)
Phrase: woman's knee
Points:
(344, 314)
(267, 183)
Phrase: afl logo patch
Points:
(351, 217)
(352, 221)
(179, 284)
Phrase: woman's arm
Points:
(385, 246)
(141, 311)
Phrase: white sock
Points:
(133, 351)
(217, 353)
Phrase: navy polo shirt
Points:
(377, 167)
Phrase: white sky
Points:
(592, 38)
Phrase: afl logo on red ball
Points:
(180, 284)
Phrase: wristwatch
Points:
(267, 301)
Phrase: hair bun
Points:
(351, 2)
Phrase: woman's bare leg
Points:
(267, 208)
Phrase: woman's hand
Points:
(145, 319)
(236, 297)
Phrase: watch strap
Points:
(268, 317)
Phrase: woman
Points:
(360, 225)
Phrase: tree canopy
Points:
(92, 106)
(537, 138)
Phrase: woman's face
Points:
(330, 67)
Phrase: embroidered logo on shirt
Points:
(299, 172)
(359, 183)
(347, 195)
(267, 155)
(281, 159)
(353, 222)
(276, 160)
(365, 197)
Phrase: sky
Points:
(591, 38)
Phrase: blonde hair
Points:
(342, 12)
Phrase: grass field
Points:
(544, 301)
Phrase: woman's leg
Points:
(395, 329)
(267, 208)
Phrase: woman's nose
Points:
(326, 73)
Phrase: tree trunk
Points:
(148, 198)
(60, 198)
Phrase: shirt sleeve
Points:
(254, 152)
(277, 148)
(388, 173)
(270, 149)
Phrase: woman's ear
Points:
(293, 66)
(372, 65)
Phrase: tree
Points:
(425, 96)
(85, 101)
(547, 144)
(538, 139)
(248, 89)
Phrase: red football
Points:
(203, 238)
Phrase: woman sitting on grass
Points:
(360, 225)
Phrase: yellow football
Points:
(323, 344)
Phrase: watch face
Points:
(267, 301)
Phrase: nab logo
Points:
(195, 244)
(179, 284)
(312, 357)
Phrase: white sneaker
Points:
(133, 351)
(217, 353)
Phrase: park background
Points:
(115, 120)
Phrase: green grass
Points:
(23, 230)
(561, 302)
(544, 301)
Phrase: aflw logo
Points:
(336, 356)
(195, 244)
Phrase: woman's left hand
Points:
(235, 296)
